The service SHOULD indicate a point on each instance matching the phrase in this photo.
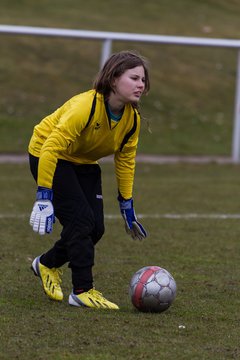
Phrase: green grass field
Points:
(202, 253)
(191, 103)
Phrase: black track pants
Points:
(78, 205)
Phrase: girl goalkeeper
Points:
(63, 154)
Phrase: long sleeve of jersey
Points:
(56, 143)
(125, 166)
(66, 131)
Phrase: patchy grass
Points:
(201, 253)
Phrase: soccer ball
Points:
(152, 289)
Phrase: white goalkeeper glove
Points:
(42, 216)
(132, 226)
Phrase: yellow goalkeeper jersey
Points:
(81, 131)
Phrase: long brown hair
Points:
(115, 66)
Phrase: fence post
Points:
(236, 125)
(106, 51)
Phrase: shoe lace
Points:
(97, 294)
(98, 298)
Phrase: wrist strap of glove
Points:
(125, 203)
(44, 193)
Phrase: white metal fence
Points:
(108, 37)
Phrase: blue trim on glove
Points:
(127, 211)
(44, 193)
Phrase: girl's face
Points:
(130, 85)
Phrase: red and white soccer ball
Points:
(152, 289)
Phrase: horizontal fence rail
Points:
(108, 37)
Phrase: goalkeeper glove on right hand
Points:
(42, 216)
